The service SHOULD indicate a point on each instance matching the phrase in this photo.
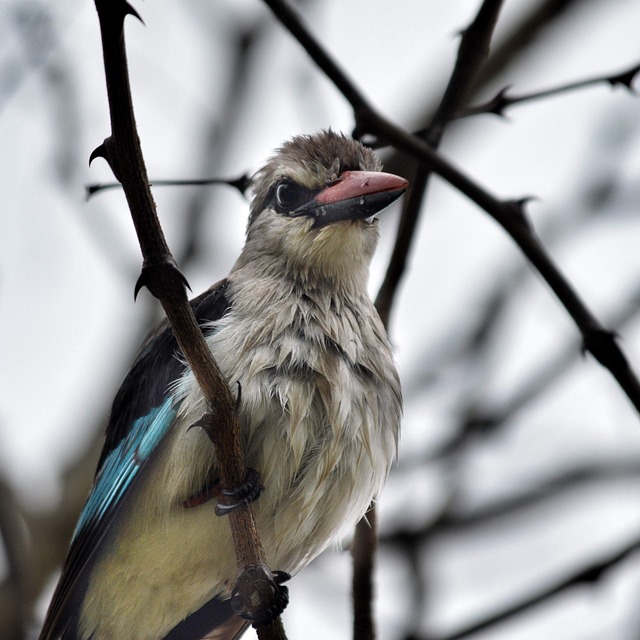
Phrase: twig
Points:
(162, 277)
(241, 183)
(592, 573)
(473, 51)
(589, 574)
(14, 586)
(503, 100)
(510, 214)
(363, 554)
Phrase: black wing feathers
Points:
(156, 366)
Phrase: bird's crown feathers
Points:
(311, 161)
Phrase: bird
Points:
(319, 402)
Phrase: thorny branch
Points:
(162, 277)
(509, 214)
(241, 183)
(503, 100)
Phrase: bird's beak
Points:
(355, 195)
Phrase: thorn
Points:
(602, 344)
(500, 102)
(157, 273)
(183, 279)
(130, 11)
(99, 152)
(521, 202)
(89, 190)
(113, 12)
(140, 282)
(517, 209)
(625, 78)
(204, 422)
(241, 184)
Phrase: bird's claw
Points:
(259, 596)
(245, 493)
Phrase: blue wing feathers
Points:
(141, 415)
(124, 462)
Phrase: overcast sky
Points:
(68, 323)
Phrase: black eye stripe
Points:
(288, 195)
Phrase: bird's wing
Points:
(142, 413)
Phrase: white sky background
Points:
(67, 269)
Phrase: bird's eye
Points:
(290, 195)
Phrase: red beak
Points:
(355, 184)
(355, 195)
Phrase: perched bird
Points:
(293, 326)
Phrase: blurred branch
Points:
(220, 131)
(363, 550)
(478, 418)
(478, 421)
(570, 479)
(503, 100)
(590, 574)
(162, 277)
(472, 53)
(13, 589)
(581, 476)
(456, 519)
(241, 183)
(473, 50)
(591, 201)
(510, 214)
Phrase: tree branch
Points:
(588, 575)
(241, 183)
(162, 277)
(472, 53)
(509, 214)
(503, 100)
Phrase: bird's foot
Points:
(259, 596)
(245, 493)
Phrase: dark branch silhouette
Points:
(160, 274)
(241, 183)
(503, 100)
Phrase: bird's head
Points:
(314, 206)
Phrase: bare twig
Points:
(503, 100)
(162, 277)
(241, 183)
(589, 575)
(363, 554)
(525, 34)
(14, 588)
(581, 476)
(473, 51)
